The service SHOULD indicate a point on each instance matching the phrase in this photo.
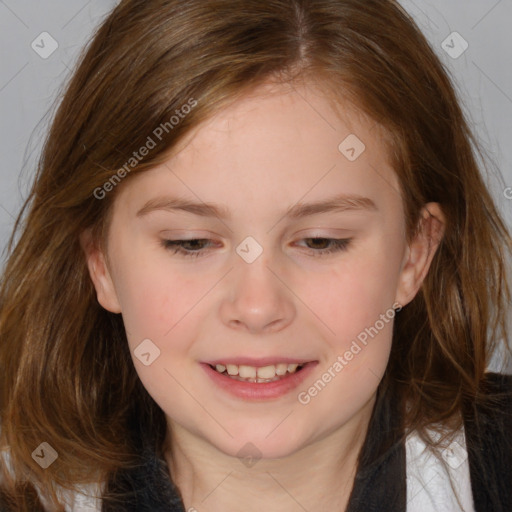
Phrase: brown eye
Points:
(322, 245)
(189, 248)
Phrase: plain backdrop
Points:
(472, 37)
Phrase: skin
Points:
(258, 157)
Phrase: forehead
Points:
(285, 112)
(275, 146)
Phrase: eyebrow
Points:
(340, 203)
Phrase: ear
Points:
(420, 252)
(99, 272)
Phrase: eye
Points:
(195, 247)
(334, 245)
(188, 248)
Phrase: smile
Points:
(258, 383)
(246, 373)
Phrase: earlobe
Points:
(420, 252)
(99, 272)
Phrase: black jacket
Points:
(380, 484)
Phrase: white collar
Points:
(428, 478)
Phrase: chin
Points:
(255, 445)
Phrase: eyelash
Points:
(176, 246)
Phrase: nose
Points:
(256, 298)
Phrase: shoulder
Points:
(84, 498)
(488, 425)
(500, 383)
(492, 410)
(473, 472)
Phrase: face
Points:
(271, 278)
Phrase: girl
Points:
(259, 269)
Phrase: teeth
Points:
(247, 372)
(281, 368)
(266, 372)
(261, 374)
(232, 369)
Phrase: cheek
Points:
(154, 297)
(156, 302)
(355, 301)
(351, 295)
(152, 291)
(158, 305)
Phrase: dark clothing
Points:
(380, 483)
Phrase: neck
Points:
(318, 476)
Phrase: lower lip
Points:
(262, 390)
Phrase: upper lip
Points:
(258, 362)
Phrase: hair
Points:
(66, 374)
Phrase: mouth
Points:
(261, 374)
(262, 380)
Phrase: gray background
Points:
(29, 84)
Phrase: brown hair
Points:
(66, 376)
